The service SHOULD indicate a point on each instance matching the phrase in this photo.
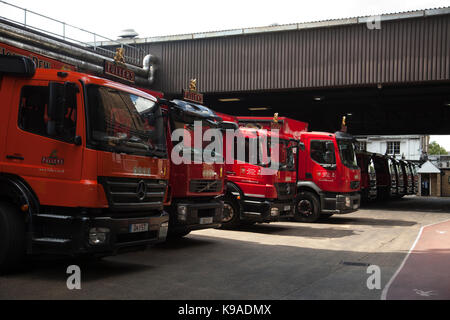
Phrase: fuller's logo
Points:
(192, 94)
(53, 159)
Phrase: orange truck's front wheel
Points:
(12, 237)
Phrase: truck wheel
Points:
(307, 208)
(231, 213)
(12, 237)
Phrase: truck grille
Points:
(126, 194)
(205, 186)
(285, 189)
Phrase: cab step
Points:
(51, 241)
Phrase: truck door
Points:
(321, 164)
(46, 158)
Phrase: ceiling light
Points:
(230, 100)
(259, 109)
(318, 98)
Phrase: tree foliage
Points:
(435, 149)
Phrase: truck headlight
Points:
(163, 230)
(182, 213)
(348, 202)
(275, 212)
(98, 236)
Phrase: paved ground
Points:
(285, 260)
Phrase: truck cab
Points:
(408, 177)
(329, 176)
(82, 171)
(393, 171)
(196, 187)
(383, 173)
(368, 176)
(415, 177)
(400, 176)
(260, 179)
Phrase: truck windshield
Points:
(189, 128)
(347, 153)
(123, 122)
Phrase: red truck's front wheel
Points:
(231, 213)
(12, 236)
(307, 208)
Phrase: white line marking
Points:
(425, 293)
(386, 288)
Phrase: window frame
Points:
(391, 151)
(334, 154)
(46, 135)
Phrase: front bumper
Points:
(73, 235)
(266, 210)
(340, 203)
(188, 215)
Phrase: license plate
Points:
(139, 227)
(206, 220)
(287, 208)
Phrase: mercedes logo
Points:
(141, 190)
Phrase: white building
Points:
(409, 146)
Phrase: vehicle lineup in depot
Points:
(113, 188)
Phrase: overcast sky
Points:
(169, 17)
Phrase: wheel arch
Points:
(307, 186)
(15, 190)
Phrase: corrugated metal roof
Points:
(287, 27)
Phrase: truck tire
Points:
(12, 237)
(307, 207)
(231, 213)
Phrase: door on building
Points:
(426, 185)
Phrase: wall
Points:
(445, 184)
(403, 51)
(409, 146)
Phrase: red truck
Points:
(399, 176)
(385, 184)
(407, 177)
(257, 192)
(195, 189)
(328, 177)
(366, 162)
(82, 171)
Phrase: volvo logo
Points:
(141, 190)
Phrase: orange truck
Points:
(82, 170)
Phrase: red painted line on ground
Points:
(425, 272)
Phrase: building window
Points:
(393, 147)
(361, 146)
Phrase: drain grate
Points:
(355, 264)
